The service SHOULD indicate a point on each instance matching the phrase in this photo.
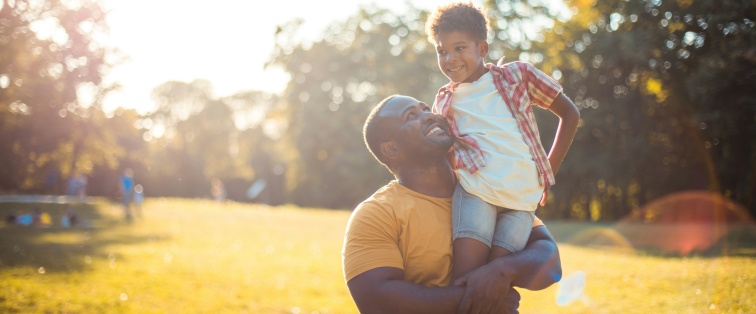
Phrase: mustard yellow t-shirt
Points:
(401, 228)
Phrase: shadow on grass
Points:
(664, 240)
(63, 249)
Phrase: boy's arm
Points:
(569, 116)
(536, 267)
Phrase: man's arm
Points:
(569, 116)
(383, 290)
(536, 267)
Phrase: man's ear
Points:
(390, 150)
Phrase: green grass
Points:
(190, 256)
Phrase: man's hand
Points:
(486, 287)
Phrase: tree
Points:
(199, 137)
(336, 81)
(51, 67)
(664, 89)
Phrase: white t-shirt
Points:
(510, 177)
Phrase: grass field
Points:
(196, 256)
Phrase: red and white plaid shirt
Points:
(540, 89)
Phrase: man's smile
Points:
(436, 128)
(433, 130)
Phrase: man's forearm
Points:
(536, 267)
(383, 291)
(404, 297)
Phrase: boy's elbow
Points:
(573, 111)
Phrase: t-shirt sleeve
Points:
(371, 240)
(542, 89)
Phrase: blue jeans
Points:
(474, 218)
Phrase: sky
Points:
(226, 42)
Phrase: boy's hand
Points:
(469, 154)
(543, 198)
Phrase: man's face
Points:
(460, 56)
(418, 132)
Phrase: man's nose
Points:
(427, 115)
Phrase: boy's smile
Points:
(460, 56)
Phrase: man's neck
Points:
(433, 178)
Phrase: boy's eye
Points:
(460, 48)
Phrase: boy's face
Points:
(460, 56)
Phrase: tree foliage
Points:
(665, 89)
(336, 81)
(51, 66)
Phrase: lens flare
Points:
(603, 237)
(683, 223)
(571, 289)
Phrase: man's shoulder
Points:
(382, 201)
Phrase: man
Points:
(397, 246)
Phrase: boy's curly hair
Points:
(457, 16)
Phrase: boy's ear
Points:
(391, 150)
(483, 48)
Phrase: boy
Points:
(489, 109)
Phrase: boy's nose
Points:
(448, 57)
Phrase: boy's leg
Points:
(512, 232)
(472, 230)
(469, 254)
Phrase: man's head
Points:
(401, 129)
(459, 31)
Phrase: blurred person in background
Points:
(126, 184)
(217, 190)
(138, 199)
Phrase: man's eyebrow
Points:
(408, 109)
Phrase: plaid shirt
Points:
(540, 90)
